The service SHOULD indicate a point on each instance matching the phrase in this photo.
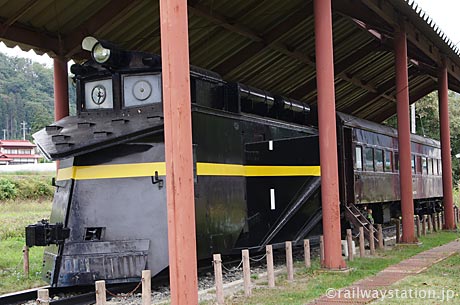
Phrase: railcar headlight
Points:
(105, 53)
(100, 54)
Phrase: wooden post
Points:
(380, 236)
(43, 297)
(178, 150)
(218, 279)
(362, 252)
(321, 250)
(100, 293)
(430, 224)
(417, 224)
(350, 245)
(289, 263)
(435, 223)
(371, 239)
(246, 273)
(456, 215)
(306, 251)
(270, 268)
(398, 231)
(25, 255)
(146, 287)
(424, 225)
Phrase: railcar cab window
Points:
(378, 160)
(99, 94)
(388, 161)
(435, 167)
(412, 162)
(368, 159)
(141, 90)
(358, 158)
(424, 166)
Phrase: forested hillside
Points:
(26, 95)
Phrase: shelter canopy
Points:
(266, 44)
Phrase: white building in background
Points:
(17, 152)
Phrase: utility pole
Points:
(24, 128)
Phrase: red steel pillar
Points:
(61, 88)
(178, 150)
(445, 147)
(327, 135)
(405, 168)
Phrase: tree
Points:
(26, 95)
(427, 124)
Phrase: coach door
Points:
(346, 167)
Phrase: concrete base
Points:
(338, 271)
(417, 244)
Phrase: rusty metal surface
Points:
(265, 44)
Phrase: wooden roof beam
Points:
(43, 41)
(339, 68)
(261, 43)
(414, 96)
(21, 12)
(386, 11)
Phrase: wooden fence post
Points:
(417, 224)
(424, 225)
(246, 273)
(306, 251)
(270, 268)
(218, 279)
(362, 252)
(350, 245)
(321, 250)
(146, 287)
(25, 255)
(398, 231)
(380, 236)
(100, 293)
(435, 223)
(289, 263)
(430, 224)
(43, 297)
(371, 239)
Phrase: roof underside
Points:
(266, 44)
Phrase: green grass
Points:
(14, 216)
(312, 283)
(437, 285)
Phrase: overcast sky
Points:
(444, 12)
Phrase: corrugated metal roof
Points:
(266, 44)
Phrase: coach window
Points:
(369, 159)
(424, 166)
(358, 158)
(440, 166)
(430, 166)
(378, 160)
(412, 163)
(396, 162)
(435, 166)
(418, 167)
(388, 167)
